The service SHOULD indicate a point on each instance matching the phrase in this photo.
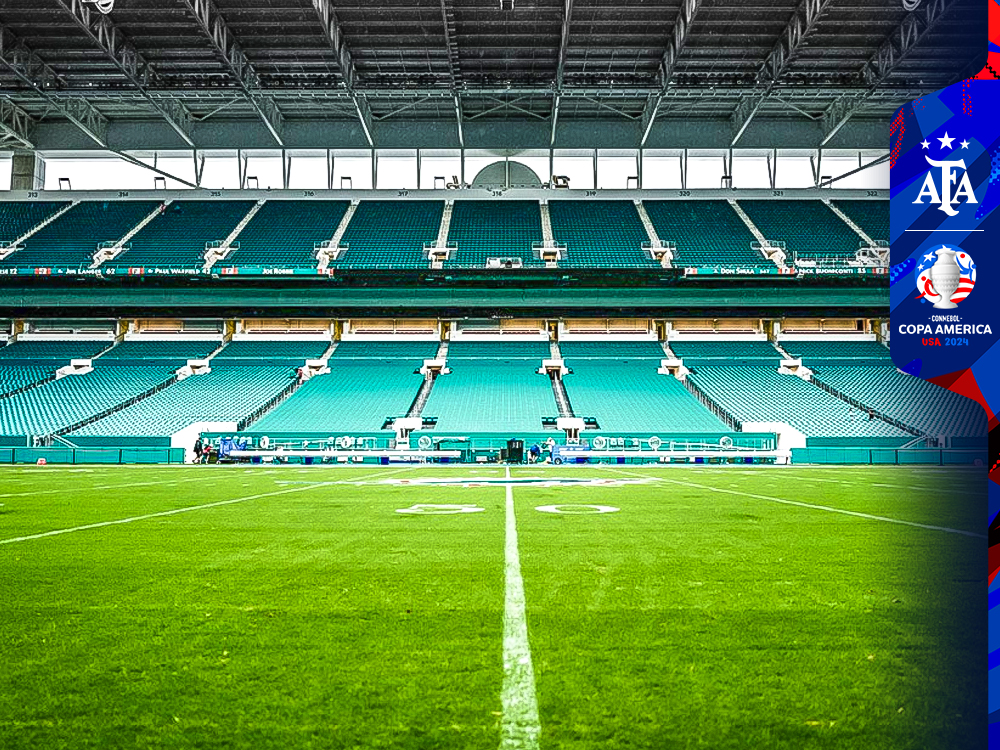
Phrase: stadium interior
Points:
(371, 253)
(420, 232)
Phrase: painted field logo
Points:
(517, 481)
(947, 279)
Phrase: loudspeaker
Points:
(515, 451)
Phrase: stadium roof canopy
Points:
(474, 73)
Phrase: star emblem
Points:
(929, 257)
(924, 143)
(946, 141)
(965, 143)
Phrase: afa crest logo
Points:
(937, 186)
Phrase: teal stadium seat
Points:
(863, 370)
(837, 352)
(536, 350)
(726, 352)
(483, 229)
(924, 406)
(706, 233)
(742, 378)
(871, 216)
(612, 350)
(631, 396)
(166, 353)
(762, 394)
(229, 393)
(601, 234)
(410, 350)
(390, 234)
(808, 227)
(492, 387)
(248, 352)
(246, 375)
(62, 403)
(18, 218)
(13, 377)
(54, 352)
(357, 395)
(72, 239)
(284, 233)
(177, 238)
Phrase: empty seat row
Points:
(357, 395)
(631, 396)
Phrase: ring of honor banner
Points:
(945, 267)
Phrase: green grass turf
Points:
(315, 616)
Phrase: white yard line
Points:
(519, 727)
(813, 506)
(78, 488)
(175, 511)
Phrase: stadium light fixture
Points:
(105, 6)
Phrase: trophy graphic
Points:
(946, 275)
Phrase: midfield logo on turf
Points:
(501, 481)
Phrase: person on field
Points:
(197, 450)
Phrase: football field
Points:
(483, 607)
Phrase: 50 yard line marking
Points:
(519, 727)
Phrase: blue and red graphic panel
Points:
(945, 273)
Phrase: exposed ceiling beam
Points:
(365, 118)
(454, 63)
(792, 39)
(555, 118)
(43, 80)
(214, 26)
(106, 35)
(668, 64)
(887, 58)
(15, 126)
(345, 62)
(560, 68)
(563, 43)
(459, 116)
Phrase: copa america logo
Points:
(948, 279)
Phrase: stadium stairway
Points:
(809, 228)
(367, 385)
(420, 400)
(602, 234)
(871, 216)
(214, 254)
(329, 250)
(19, 221)
(558, 387)
(112, 249)
(285, 393)
(847, 220)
